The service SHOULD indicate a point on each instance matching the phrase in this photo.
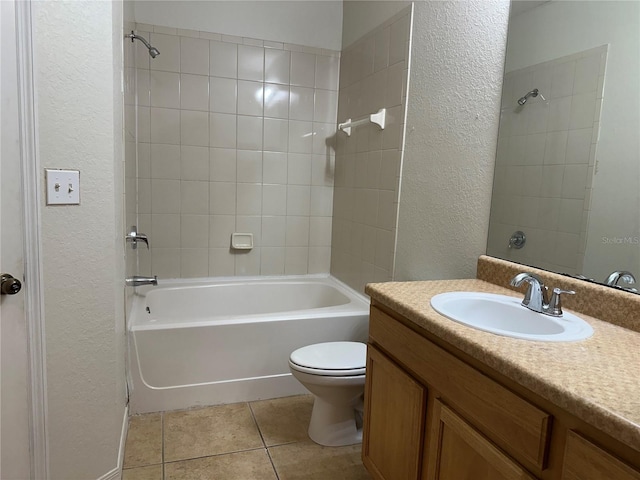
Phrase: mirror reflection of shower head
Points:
(153, 51)
(533, 93)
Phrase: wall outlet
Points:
(63, 187)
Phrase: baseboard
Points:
(116, 473)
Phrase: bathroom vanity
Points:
(445, 401)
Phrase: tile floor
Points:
(263, 440)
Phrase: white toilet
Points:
(334, 372)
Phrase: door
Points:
(584, 460)
(394, 416)
(457, 451)
(14, 398)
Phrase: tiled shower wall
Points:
(546, 159)
(234, 135)
(373, 75)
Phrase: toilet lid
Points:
(329, 356)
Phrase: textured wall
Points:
(452, 127)
(312, 22)
(78, 56)
(373, 75)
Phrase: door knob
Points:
(9, 285)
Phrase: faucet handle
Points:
(134, 237)
(555, 305)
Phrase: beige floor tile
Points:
(144, 441)
(154, 472)
(251, 465)
(310, 461)
(283, 420)
(209, 431)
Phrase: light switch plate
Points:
(63, 187)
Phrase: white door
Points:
(14, 398)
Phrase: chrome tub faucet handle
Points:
(134, 237)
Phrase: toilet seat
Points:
(334, 359)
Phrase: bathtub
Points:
(215, 341)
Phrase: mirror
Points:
(566, 194)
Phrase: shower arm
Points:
(133, 37)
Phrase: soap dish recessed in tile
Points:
(242, 241)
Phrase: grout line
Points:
(141, 466)
(215, 455)
(275, 470)
(285, 443)
(255, 420)
(162, 433)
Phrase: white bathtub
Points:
(209, 342)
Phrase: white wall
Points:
(77, 47)
(560, 28)
(310, 23)
(457, 60)
(360, 17)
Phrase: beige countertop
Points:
(596, 380)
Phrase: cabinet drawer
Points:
(518, 427)
(585, 461)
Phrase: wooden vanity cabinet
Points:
(584, 460)
(458, 451)
(396, 433)
(395, 412)
(431, 416)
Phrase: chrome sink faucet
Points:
(535, 298)
(615, 277)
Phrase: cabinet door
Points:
(394, 420)
(585, 461)
(457, 451)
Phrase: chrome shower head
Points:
(153, 51)
(533, 93)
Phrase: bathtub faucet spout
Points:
(137, 281)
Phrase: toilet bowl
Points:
(334, 372)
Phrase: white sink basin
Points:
(505, 315)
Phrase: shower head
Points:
(153, 51)
(533, 93)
